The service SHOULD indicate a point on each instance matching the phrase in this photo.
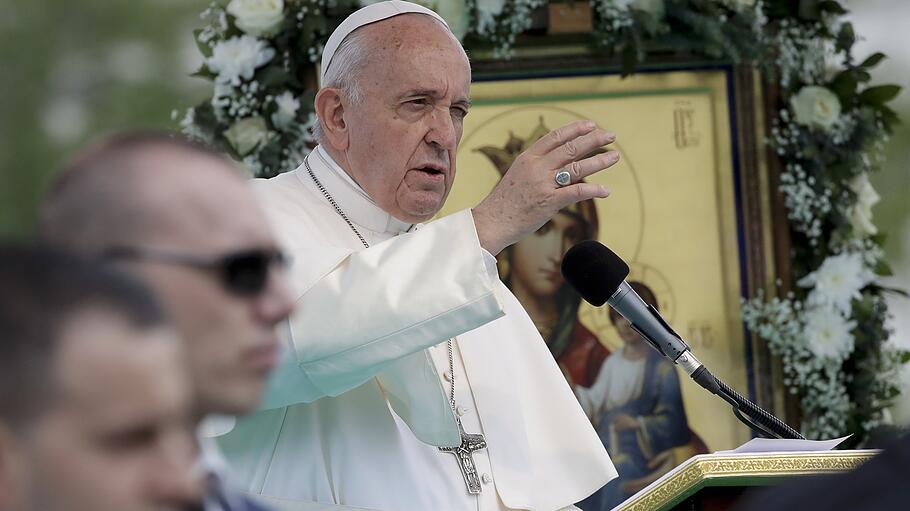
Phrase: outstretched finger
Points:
(580, 191)
(560, 136)
(581, 169)
(579, 148)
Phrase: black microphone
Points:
(599, 277)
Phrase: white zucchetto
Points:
(369, 14)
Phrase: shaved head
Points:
(122, 189)
(153, 193)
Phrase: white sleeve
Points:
(383, 303)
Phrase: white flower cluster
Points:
(824, 399)
(838, 281)
(786, 135)
(777, 321)
(871, 252)
(801, 53)
(236, 102)
(806, 204)
(487, 11)
(828, 333)
(216, 24)
(860, 213)
(843, 128)
(759, 22)
(238, 57)
(814, 337)
(618, 16)
(828, 406)
(517, 20)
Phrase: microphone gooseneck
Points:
(599, 276)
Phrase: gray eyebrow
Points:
(432, 93)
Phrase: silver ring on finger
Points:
(563, 178)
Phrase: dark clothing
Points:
(882, 483)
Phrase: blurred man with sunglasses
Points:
(184, 219)
(94, 397)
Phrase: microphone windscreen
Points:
(594, 271)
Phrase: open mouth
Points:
(431, 170)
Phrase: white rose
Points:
(860, 213)
(245, 134)
(238, 57)
(288, 105)
(257, 17)
(828, 333)
(815, 107)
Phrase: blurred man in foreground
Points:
(183, 218)
(94, 399)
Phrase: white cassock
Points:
(354, 413)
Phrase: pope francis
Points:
(413, 379)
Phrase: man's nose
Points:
(276, 301)
(442, 129)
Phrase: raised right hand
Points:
(528, 196)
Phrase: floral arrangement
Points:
(830, 331)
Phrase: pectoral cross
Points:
(464, 455)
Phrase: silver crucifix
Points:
(464, 456)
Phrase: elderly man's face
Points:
(404, 135)
(116, 435)
(205, 213)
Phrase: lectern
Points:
(715, 482)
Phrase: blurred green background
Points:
(72, 70)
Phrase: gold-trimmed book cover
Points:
(739, 469)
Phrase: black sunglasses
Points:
(245, 273)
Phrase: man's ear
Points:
(330, 109)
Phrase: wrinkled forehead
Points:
(413, 52)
